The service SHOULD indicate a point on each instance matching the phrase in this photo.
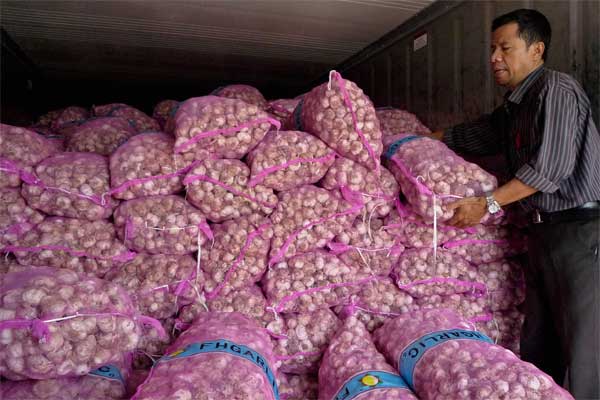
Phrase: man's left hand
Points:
(467, 212)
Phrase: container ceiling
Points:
(274, 43)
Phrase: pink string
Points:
(347, 101)
(192, 178)
(211, 295)
(348, 195)
(224, 131)
(123, 257)
(11, 167)
(279, 108)
(263, 174)
(34, 181)
(480, 288)
(138, 181)
(291, 297)
(340, 248)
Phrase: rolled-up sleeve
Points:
(479, 137)
(556, 156)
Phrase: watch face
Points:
(493, 208)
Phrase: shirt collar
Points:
(517, 95)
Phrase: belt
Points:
(585, 211)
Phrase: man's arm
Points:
(481, 137)
(470, 211)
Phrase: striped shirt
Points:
(546, 132)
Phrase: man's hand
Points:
(467, 212)
(437, 135)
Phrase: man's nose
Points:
(496, 56)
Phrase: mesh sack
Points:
(282, 109)
(16, 217)
(219, 188)
(298, 387)
(71, 185)
(99, 135)
(136, 118)
(342, 116)
(145, 166)
(58, 323)
(79, 245)
(246, 93)
(219, 127)
(504, 328)
(163, 110)
(352, 366)
(469, 368)
(505, 283)
(237, 363)
(69, 115)
(394, 121)
(161, 224)
(469, 307)
(288, 159)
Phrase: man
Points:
(545, 130)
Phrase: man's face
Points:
(511, 59)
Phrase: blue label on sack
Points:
(394, 146)
(415, 351)
(226, 346)
(367, 381)
(109, 372)
(298, 116)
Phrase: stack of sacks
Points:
(224, 354)
(394, 121)
(16, 217)
(353, 368)
(99, 135)
(440, 357)
(57, 323)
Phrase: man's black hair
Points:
(533, 26)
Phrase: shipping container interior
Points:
(428, 57)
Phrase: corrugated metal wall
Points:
(449, 80)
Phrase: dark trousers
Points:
(560, 334)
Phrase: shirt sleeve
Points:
(480, 137)
(556, 156)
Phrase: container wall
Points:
(449, 80)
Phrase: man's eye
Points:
(505, 48)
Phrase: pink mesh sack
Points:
(91, 247)
(145, 166)
(69, 115)
(282, 109)
(425, 272)
(246, 93)
(71, 185)
(159, 284)
(367, 245)
(353, 368)
(376, 302)
(504, 328)
(288, 159)
(154, 343)
(394, 121)
(298, 387)
(107, 382)
(9, 264)
(309, 217)
(478, 251)
(248, 301)
(441, 357)
(136, 118)
(505, 283)
(163, 110)
(305, 338)
(20, 149)
(340, 114)
(432, 176)
(16, 217)
(219, 188)
(58, 323)
(224, 354)
(378, 192)
(161, 224)
(238, 255)
(48, 118)
(311, 281)
(219, 127)
(100, 135)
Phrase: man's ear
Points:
(538, 50)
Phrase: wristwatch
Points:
(492, 205)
